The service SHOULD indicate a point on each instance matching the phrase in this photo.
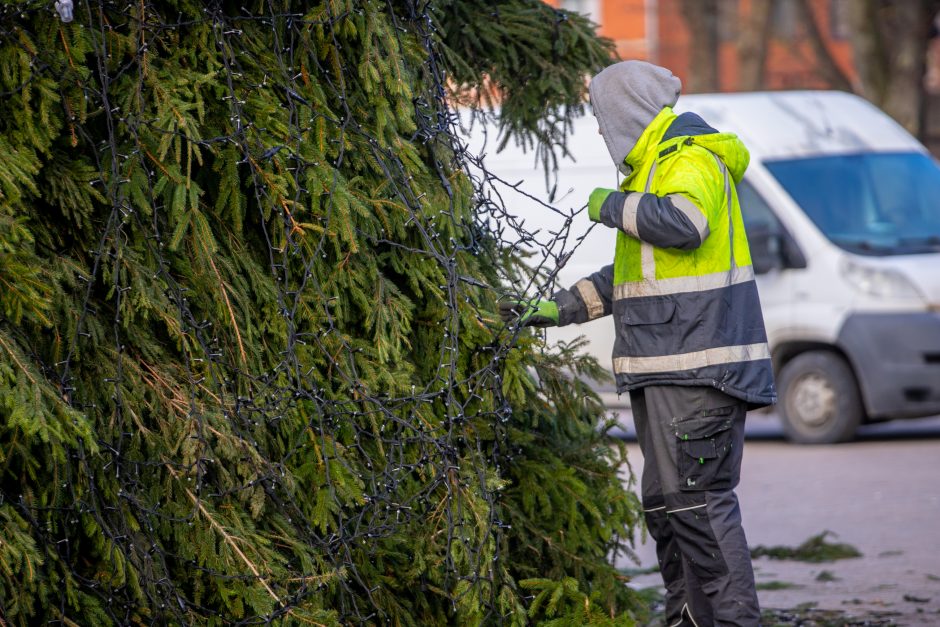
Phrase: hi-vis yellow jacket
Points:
(681, 288)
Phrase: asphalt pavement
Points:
(879, 494)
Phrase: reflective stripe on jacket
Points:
(681, 288)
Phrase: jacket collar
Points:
(646, 146)
(657, 136)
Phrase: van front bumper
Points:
(896, 357)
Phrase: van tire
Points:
(819, 399)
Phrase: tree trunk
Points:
(868, 49)
(891, 65)
(904, 98)
(752, 45)
(701, 17)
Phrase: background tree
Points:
(249, 367)
(826, 65)
(752, 45)
(889, 39)
(702, 17)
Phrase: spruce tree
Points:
(250, 369)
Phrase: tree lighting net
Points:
(251, 366)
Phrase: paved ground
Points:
(879, 494)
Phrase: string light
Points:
(409, 457)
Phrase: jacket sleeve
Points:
(672, 220)
(691, 192)
(587, 299)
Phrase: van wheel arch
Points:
(782, 353)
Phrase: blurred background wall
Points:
(885, 50)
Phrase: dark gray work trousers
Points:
(692, 442)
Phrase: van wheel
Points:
(820, 401)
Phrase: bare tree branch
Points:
(828, 67)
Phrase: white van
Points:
(842, 209)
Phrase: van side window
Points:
(755, 210)
(763, 229)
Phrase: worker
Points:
(690, 345)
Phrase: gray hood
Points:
(626, 97)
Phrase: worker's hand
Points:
(596, 201)
(530, 313)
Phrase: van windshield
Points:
(870, 204)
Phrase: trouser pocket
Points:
(704, 447)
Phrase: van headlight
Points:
(880, 282)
